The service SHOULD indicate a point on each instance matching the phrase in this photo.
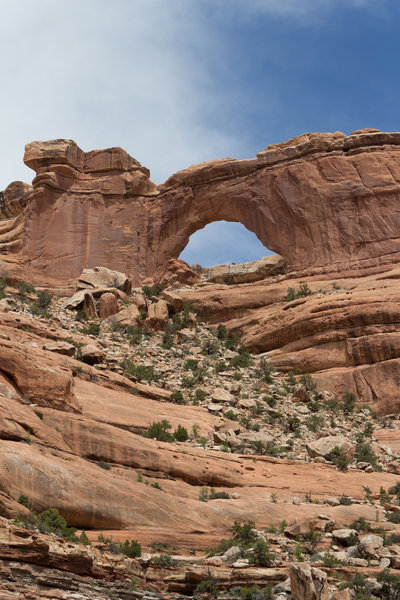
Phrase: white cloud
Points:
(129, 73)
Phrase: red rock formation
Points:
(310, 199)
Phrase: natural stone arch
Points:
(325, 202)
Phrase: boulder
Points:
(91, 354)
(325, 445)
(101, 277)
(178, 271)
(345, 536)
(302, 394)
(82, 300)
(308, 583)
(129, 315)
(60, 347)
(221, 395)
(108, 305)
(157, 315)
(369, 545)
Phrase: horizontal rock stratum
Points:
(324, 201)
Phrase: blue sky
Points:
(176, 82)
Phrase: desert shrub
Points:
(25, 288)
(220, 366)
(151, 291)
(315, 423)
(140, 372)
(206, 588)
(214, 495)
(244, 533)
(261, 555)
(361, 587)
(222, 332)
(308, 382)
(41, 304)
(177, 398)
(191, 365)
(292, 424)
(266, 448)
(270, 400)
(189, 382)
(265, 371)
(91, 329)
(329, 560)
(364, 453)
(200, 395)
(302, 291)
(164, 560)
(24, 500)
(338, 458)
(361, 525)
(181, 434)
(50, 521)
(390, 585)
(130, 548)
(168, 341)
(160, 431)
(38, 413)
(348, 402)
(242, 359)
(230, 414)
(135, 335)
(156, 485)
(209, 347)
(83, 539)
(393, 517)
(345, 500)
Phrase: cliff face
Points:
(324, 202)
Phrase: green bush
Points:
(348, 402)
(160, 431)
(364, 453)
(308, 382)
(24, 500)
(164, 560)
(206, 588)
(200, 395)
(50, 521)
(92, 329)
(103, 465)
(390, 585)
(131, 548)
(261, 555)
(140, 372)
(338, 458)
(168, 341)
(177, 398)
(83, 539)
(191, 365)
(181, 434)
(151, 291)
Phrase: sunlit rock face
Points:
(323, 201)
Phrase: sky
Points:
(178, 82)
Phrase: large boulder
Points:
(129, 315)
(91, 354)
(308, 583)
(325, 445)
(107, 305)
(178, 272)
(157, 315)
(101, 277)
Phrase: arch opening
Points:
(223, 242)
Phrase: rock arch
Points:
(323, 201)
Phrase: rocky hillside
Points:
(132, 418)
(170, 431)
